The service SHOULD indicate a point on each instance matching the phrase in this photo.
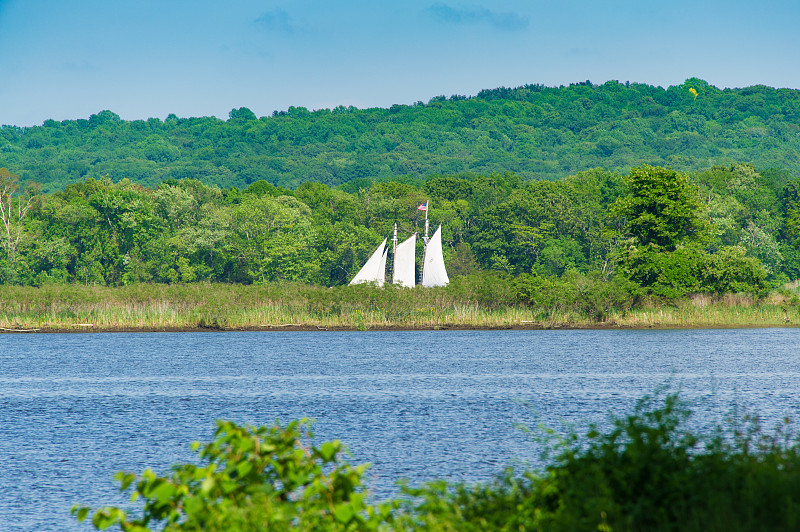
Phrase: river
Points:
(76, 408)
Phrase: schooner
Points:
(403, 255)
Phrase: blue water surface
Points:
(76, 408)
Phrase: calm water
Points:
(76, 408)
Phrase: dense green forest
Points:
(653, 231)
(548, 189)
(534, 131)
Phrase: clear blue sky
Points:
(69, 59)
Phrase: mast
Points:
(424, 242)
(394, 251)
(433, 271)
(427, 208)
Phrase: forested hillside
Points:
(536, 132)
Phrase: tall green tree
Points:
(661, 209)
(661, 220)
(666, 235)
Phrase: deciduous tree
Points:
(14, 208)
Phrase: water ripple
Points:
(74, 409)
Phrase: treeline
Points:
(653, 231)
(536, 132)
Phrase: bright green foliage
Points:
(662, 233)
(791, 201)
(686, 270)
(545, 226)
(645, 471)
(667, 246)
(250, 479)
(275, 238)
(660, 209)
(14, 208)
(590, 295)
(650, 472)
(745, 210)
(729, 270)
(669, 275)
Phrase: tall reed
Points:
(287, 305)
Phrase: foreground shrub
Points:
(253, 479)
(647, 472)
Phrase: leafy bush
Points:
(588, 294)
(674, 274)
(729, 270)
(252, 479)
(648, 471)
(487, 289)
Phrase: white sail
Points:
(403, 273)
(433, 271)
(373, 270)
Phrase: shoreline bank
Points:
(341, 328)
(287, 307)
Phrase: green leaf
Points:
(329, 449)
(80, 513)
(344, 513)
(126, 479)
(164, 492)
(208, 485)
(244, 468)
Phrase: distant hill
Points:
(535, 131)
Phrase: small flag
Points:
(423, 207)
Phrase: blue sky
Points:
(69, 59)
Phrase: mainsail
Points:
(403, 272)
(433, 271)
(374, 270)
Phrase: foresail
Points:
(373, 270)
(403, 272)
(433, 270)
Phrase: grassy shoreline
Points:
(279, 306)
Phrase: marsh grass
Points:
(282, 305)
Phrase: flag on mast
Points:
(423, 207)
